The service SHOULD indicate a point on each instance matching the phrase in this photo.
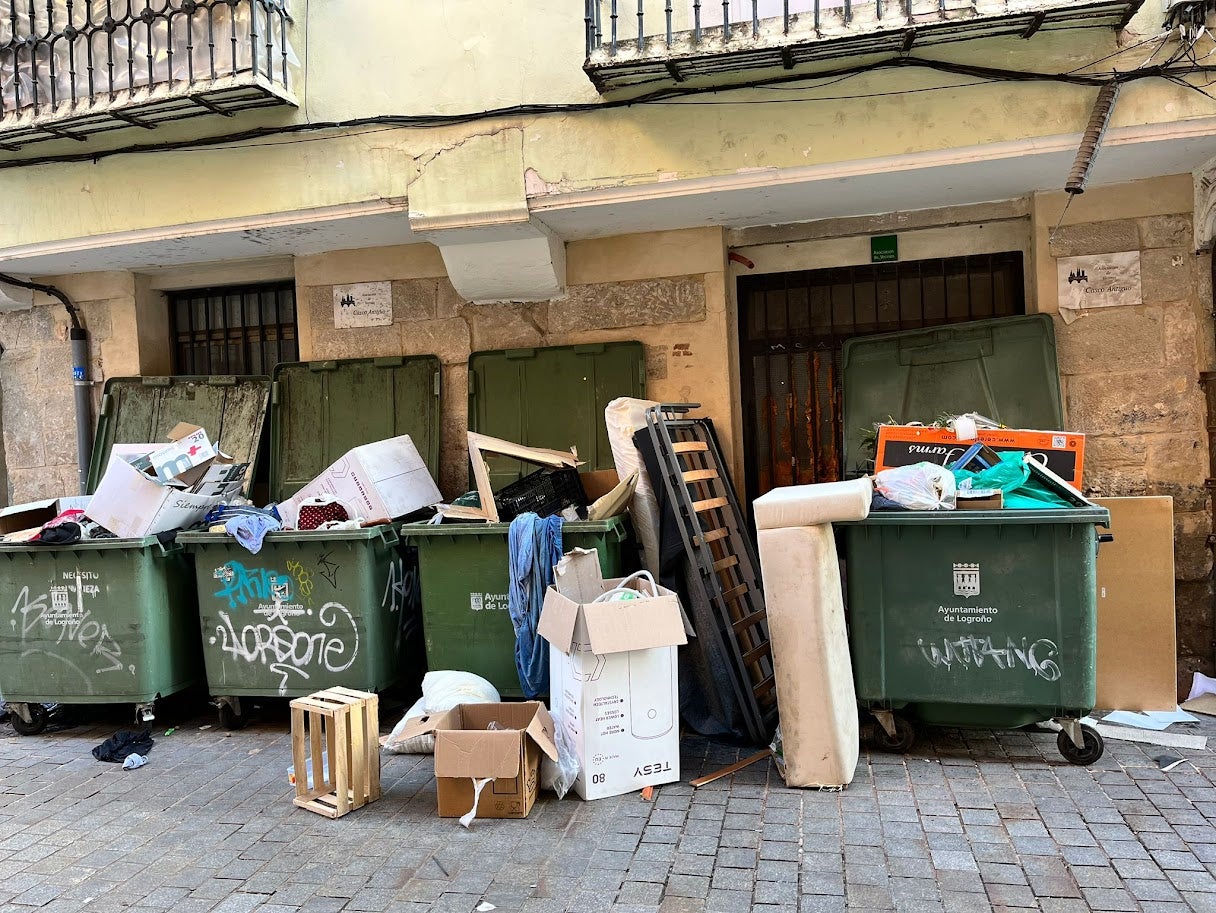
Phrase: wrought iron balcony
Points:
(655, 43)
(74, 68)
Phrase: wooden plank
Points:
(373, 753)
(709, 504)
(331, 752)
(339, 763)
(715, 535)
(356, 753)
(700, 475)
(756, 653)
(735, 592)
(298, 759)
(748, 620)
(689, 447)
(726, 563)
(318, 771)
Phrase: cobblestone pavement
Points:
(967, 822)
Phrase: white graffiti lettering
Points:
(286, 651)
(76, 624)
(968, 652)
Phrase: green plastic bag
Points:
(1022, 490)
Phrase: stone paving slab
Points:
(967, 822)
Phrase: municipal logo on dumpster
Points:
(966, 580)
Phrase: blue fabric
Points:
(222, 513)
(251, 529)
(535, 545)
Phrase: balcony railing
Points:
(73, 68)
(646, 42)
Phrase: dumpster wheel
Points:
(39, 717)
(231, 716)
(1094, 747)
(901, 742)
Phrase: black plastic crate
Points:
(544, 492)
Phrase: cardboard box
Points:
(380, 482)
(613, 678)
(190, 448)
(132, 504)
(466, 749)
(903, 445)
(984, 501)
(19, 517)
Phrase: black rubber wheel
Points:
(232, 720)
(905, 737)
(1083, 757)
(38, 720)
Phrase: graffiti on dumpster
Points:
(63, 608)
(972, 652)
(330, 643)
(328, 568)
(402, 595)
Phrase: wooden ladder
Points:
(719, 546)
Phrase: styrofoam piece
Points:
(810, 505)
(1148, 737)
(815, 695)
(624, 417)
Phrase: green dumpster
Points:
(463, 573)
(114, 620)
(314, 610)
(976, 618)
(969, 618)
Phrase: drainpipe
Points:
(82, 383)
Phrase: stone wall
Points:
(39, 417)
(1131, 381)
(429, 318)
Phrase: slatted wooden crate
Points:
(336, 730)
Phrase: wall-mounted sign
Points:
(366, 304)
(884, 248)
(1099, 281)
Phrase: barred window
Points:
(245, 329)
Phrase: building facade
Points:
(198, 181)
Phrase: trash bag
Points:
(560, 775)
(441, 691)
(921, 486)
(1011, 475)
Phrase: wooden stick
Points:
(731, 769)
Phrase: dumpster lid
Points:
(322, 409)
(138, 410)
(1092, 516)
(1005, 369)
(553, 398)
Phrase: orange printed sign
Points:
(903, 445)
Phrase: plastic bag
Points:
(441, 691)
(921, 486)
(560, 775)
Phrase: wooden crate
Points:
(337, 730)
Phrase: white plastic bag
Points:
(441, 691)
(560, 775)
(921, 486)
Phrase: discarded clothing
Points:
(134, 762)
(535, 545)
(250, 529)
(317, 511)
(878, 502)
(62, 533)
(122, 743)
(220, 515)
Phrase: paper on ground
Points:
(1201, 685)
(1150, 719)
(1166, 739)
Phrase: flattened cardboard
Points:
(1137, 649)
(131, 505)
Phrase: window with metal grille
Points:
(792, 327)
(246, 329)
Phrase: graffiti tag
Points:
(967, 652)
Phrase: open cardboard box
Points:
(613, 676)
(466, 749)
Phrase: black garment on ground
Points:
(708, 704)
(116, 748)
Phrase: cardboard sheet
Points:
(1137, 649)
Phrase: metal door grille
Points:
(233, 329)
(792, 327)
